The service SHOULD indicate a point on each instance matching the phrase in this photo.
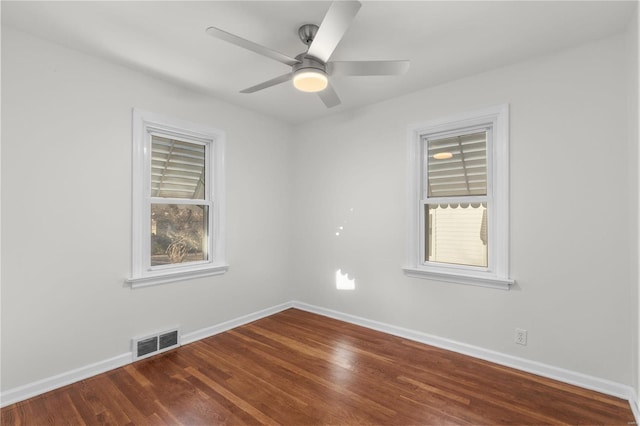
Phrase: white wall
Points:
(569, 214)
(66, 208)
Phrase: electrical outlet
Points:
(521, 336)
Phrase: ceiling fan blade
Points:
(254, 47)
(332, 29)
(367, 67)
(329, 97)
(268, 83)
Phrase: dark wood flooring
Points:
(297, 368)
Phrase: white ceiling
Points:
(444, 41)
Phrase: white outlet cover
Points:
(521, 336)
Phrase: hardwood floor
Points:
(297, 368)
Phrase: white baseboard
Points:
(571, 377)
(634, 406)
(41, 386)
(608, 387)
(237, 322)
(30, 390)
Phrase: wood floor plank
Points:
(298, 368)
(328, 385)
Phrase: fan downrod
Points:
(307, 33)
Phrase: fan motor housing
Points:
(309, 62)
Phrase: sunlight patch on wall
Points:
(343, 282)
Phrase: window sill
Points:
(480, 281)
(168, 277)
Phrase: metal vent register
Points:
(147, 346)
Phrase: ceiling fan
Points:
(310, 70)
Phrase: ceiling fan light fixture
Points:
(310, 80)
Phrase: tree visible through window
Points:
(178, 233)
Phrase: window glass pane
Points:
(456, 233)
(179, 233)
(177, 169)
(457, 166)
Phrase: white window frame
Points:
(145, 126)
(496, 274)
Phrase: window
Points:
(178, 200)
(459, 217)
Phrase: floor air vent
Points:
(168, 340)
(147, 346)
